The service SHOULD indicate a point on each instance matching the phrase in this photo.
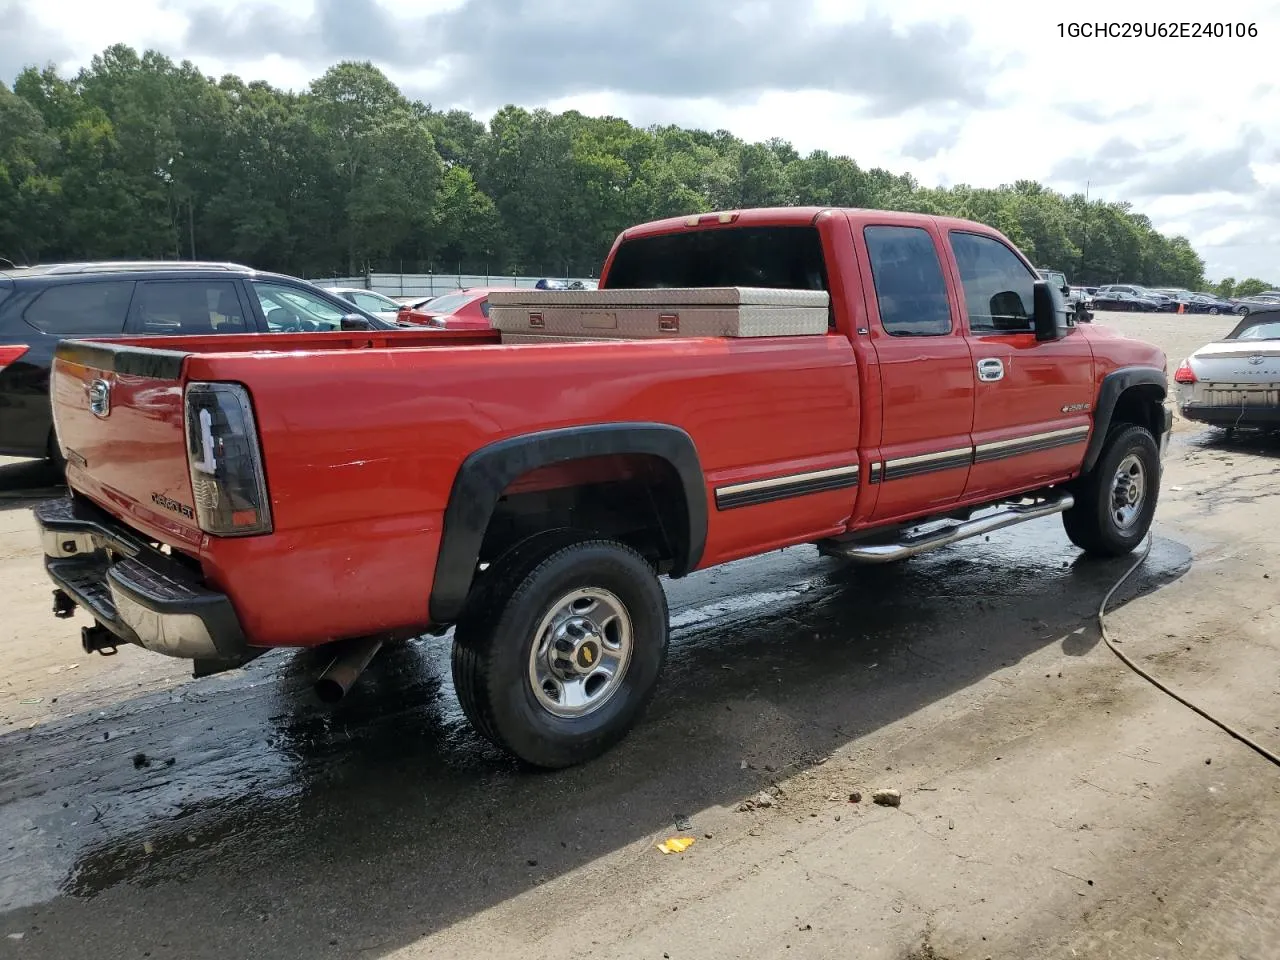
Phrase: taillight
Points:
(10, 354)
(224, 456)
(1184, 373)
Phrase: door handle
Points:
(990, 369)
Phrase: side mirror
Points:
(353, 321)
(1050, 312)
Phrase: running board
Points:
(933, 539)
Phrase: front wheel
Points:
(1116, 501)
(564, 655)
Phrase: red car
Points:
(462, 310)
(876, 384)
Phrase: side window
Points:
(290, 309)
(372, 304)
(908, 279)
(999, 290)
(187, 308)
(85, 309)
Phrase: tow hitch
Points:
(98, 639)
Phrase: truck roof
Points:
(797, 216)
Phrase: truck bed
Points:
(363, 434)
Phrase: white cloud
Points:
(1201, 154)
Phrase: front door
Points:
(1034, 399)
(926, 375)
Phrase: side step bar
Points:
(933, 539)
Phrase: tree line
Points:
(139, 157)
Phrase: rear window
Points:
(788, 258)
(94, 308)
(449, 303)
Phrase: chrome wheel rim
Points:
(580, 652)
(1129, 492)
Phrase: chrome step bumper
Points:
(133, 590)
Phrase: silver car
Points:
(1236, 381)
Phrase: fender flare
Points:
(486, 472)
(1114, 384)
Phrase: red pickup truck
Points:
(229, 495)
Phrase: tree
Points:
(383, 167)
(138, 156)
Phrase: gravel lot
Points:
(1053, 804)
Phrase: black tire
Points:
(1213, 311)
(1095, 524)
(493, 650)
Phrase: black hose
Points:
(1106, 637)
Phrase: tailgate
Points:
(120, 421)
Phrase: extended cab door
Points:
(926, 374)
(1034, 400)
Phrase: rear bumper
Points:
(1236, 416)
(133, 590)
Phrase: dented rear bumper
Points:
(136, 592)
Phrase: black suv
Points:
(40, 306)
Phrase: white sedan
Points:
(368, 301)
(1235, 382)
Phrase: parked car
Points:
(463, 310)
(1108, 298)
(39, 306)
(1207, 303)
(369, 301)
(325, 489)
(1235, 382)
(1157, 301)
(1247, 305)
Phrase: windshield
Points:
(449, 303)
(788, 258)
(1261, 331)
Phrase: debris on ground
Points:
(855, 797)
(761, 801)
(683, 822)
(677, 844)
(141, 760)
(887, 798)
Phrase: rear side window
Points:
(999, 290)
(373, 304)
(907, 273)
(788, 258)
(94, 308)
(187, 307)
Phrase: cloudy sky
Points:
(1182, 128)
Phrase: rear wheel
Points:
(1116, 501)
(564, 652)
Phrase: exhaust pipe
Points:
(338, 677)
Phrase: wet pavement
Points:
(235, 816)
